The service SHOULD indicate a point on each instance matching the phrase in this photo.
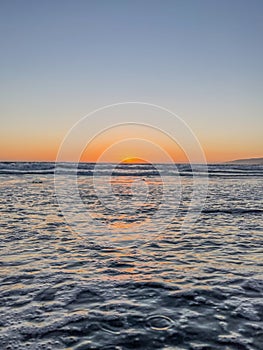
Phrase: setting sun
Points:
(134, 160)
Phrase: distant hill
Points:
(256, 161)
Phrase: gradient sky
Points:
(61, 59)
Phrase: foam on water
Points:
(198, 289)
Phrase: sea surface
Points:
(125, 269)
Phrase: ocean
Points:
(116, 257)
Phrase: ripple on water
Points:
(197, 290)
(159, 322)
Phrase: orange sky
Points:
(46, 149)
(132, 141)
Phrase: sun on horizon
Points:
(134, 160)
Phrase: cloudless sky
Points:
(61, 59)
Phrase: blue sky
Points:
(202, 59)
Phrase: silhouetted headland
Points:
(255, 161)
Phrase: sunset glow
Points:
(134, 160)
(81, 67)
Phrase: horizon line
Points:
(129, 163)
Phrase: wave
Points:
(144, 170)
(233, 211)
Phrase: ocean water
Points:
(124, 270)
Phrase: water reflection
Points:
(199, 286)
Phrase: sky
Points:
(61, 60)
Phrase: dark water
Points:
(159, 288)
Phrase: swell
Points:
(138, 170)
